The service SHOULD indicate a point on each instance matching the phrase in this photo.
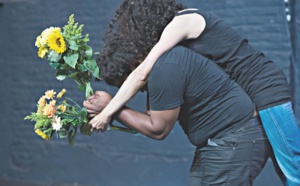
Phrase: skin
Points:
(182, 27)
(155, 124)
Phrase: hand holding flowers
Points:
(70, 56)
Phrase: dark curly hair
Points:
(132, 32)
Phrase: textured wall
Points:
(111, 158)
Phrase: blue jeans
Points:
(283, 133)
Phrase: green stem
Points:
(123, 129)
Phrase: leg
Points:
(234, 159)
(284, 135)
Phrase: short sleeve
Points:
(166, 86)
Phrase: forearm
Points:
(134, 82)
(129, 88)
(141, 122)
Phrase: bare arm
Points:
(155, 124)
(182, 27)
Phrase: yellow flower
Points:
(49, 110)
(62, 108)
(43, 135)
(49, 94)
(56, 42)
(42, 101)
(53, 102)
(42, 39)
(42, 51)
(38, 41)
(62, 92)
(45, 34)
(39, 110)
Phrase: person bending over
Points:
(217, 116)
(168, 23)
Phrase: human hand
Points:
(100, 122)
(97, 102)
(94, 105)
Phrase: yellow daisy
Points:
(49, 94)
(42, 52)
(56, 42)
(43, 135)
(62, 108)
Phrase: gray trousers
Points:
(234, 159)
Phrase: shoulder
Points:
(173, 53)
(170, 62)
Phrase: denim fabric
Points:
(283, 132)
(234, 159)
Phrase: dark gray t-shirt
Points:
(260, 77)
(210, 103)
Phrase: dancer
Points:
(216, 114)
(207, 34)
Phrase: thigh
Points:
(234, 159)
(283, 132)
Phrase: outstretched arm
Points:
(182, 27)
(155, 124)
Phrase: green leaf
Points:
(89, 90)
(73, 75)
(54, 65)
(62, 133)
(73, 45)
(81, 87)
(61, 74)
(60, 77)
(89, 52)
(71, 60)
(86, 130)
(91, 64)
(53, 56)
(63, 66)
(71, 136)
(82, 68)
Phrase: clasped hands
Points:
(94, 106)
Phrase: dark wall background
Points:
(112, 158)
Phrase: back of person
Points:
(215, 113)
(211, 104)
(247, 66)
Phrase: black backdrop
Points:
(112, 158)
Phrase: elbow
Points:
(143, 77)
(140, 74)
(160, 135)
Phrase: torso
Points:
(210, 103)
(247, 66)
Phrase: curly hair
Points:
(132, 32)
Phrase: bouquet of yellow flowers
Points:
(70, 56)
(60, 117)
(56, 116)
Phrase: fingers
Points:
(97, 126)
